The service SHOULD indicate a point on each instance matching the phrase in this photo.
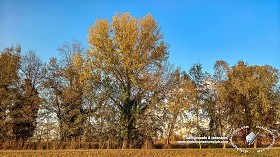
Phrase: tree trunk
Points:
(127, 125)
(255, 144)
(170, 131)
(128, 135)
(100, 143)
(125, 144)
(199, 145)
(148, 144)
(197, 123)
(168, 144)
(224, 146)
(108, 144)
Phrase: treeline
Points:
(121, 92)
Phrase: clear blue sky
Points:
(197, 31)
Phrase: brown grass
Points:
(136, 153)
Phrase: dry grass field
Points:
(275, 152)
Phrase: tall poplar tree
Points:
(126, 61)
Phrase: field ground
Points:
(218, 152)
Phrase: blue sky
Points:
(197, 31)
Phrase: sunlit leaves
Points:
(248, 93)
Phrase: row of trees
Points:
(121, 92)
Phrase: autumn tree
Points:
(31, 75)
(153, 122)
(72, 96)
(219, 78)
(198, 77)
(249, 94)
(63, 81)
(179, 99)
(125, 59)
(19, 97)
(9, 66)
